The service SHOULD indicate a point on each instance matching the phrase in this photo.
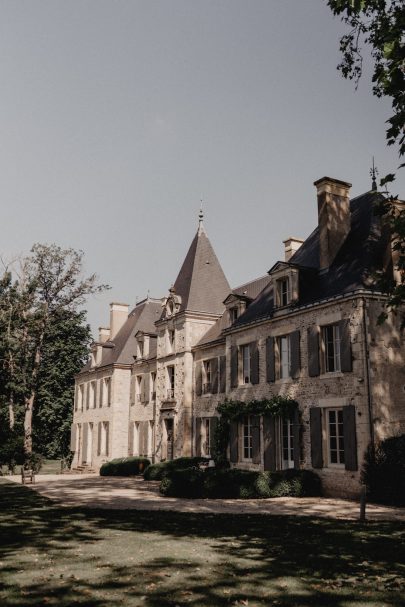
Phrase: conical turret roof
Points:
(201, 282)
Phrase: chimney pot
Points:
(118, 316)
(291, 245)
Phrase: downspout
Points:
(368, 373)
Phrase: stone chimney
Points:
(333, 217)
(291, 245)
(103, 334)
(118, 315)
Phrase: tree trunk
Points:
(30, 400)
(11, 414)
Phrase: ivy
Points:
(235, 410)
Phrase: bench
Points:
(27, 475)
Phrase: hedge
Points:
(125, 466)
(156, 472)
(239, 484)
(384, 471)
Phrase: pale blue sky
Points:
(115, 116)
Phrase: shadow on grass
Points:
(56, 556)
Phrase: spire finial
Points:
(201, 216)
(373, 174)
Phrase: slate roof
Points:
(123, 347)
(362, 252)
(201, 282)
(252, 289)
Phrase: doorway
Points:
(169, 427)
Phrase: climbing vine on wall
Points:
(235, 410)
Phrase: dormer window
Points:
(171, 338)
(140, 349)
(283, 292)
(233, 314)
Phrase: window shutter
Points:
(295, 354)
(84, 442)
(315, 416)
(146, 388)
(233, 442)
(234, 366)
(100, 404)
(198, 436)
(88, 395)
(256, 439)
(213, 428)
(145, 438)
(270, 366)
(109, 391)
(73, 437)
(222, 374)
(214, 375)
(131, 438)
(349, 437)
(107, 438)
(140, 438)
(254, 362)
(76, 396)
(198, 378)
(269, 442)
(345, 347)
(99, 438)
(313, 351)
(296, 439)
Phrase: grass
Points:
(49, 466)
(63, 557)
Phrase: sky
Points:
(117, 117)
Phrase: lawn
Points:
(63, 557)
(49, 466)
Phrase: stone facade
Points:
(308, 331)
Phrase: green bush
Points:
(125, 466)
(156, 472)
(239, 484)
(384, 471)
(34, 462)
(12, 451)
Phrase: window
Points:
(93, 394)
(287, 444)
(284, 357)
(80, 399)
(171, 338)
(233, 314)
(336, 447)
(245, 351)
(153, 386)
(106, 392)
(331, 341)
(140, 349)
(283, 292)
(208, 377)
(138, 388)
(206, 445)
(171, 382)
(103, 438)
(247, 446)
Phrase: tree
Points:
(380, 25)
(40, 306)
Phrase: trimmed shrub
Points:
(384, 471)
(239, 484)
(156, 472)
(125, 466)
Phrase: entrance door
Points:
(169, 438)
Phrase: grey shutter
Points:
(107, 438)
(256, 439)
(254, 363)
(198, 436)
(222, 374)
(100, 404)
(295, 354)
(315, 416)
(270, 363)
(99, 438)
(234, 366)
(349, 437)
(73, 437)
(313, 351)
(109, 391)
(198, 379)
(296, 439)
(214, 375)
(146, 388)
(213, 428)
(345, 347)
(269, 442)
(84, 443)
(131, 438)
(233, 442)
